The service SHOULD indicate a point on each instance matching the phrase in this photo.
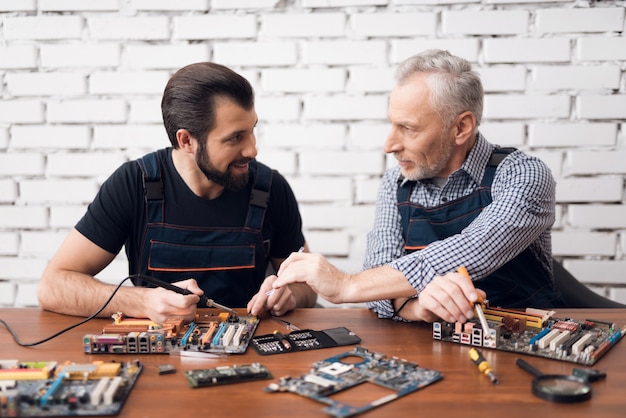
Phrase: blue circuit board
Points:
(342, 372)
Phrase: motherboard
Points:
(348, 370)
(48, 389)
(224, 333)
(535, 332)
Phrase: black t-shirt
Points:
(117, 216)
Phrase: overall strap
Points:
(150, 165)
(259, 196)
(498, 154)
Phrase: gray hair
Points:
(454, 87)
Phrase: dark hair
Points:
(454, 87)
(191, 94)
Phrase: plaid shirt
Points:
(519, 217)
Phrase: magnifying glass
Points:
(557, 387)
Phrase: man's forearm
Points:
(376, 284)
(79, 294)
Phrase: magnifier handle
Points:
(530, 369)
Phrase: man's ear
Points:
(185, 140)
(464, 127)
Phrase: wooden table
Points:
(462, 392)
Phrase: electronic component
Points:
(347, 370)
(165, 368)
(303, 339)
(223, 333)
(66, 390)
(535, 332)
(225, 375)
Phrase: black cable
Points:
(89, 318)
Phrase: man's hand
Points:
(276, 301)
(313, 269)
(450, 297)
(161, 304)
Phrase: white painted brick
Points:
(499, 79)
(521, 107)
(353, 219)
(164, 56)
(579, 77)
(596, 162)
(370, 52)
(39, 137)
(8, 191)
(40, 244)
(217, 26)
(365, 25)
(9, 243)
(46, 84)
(179, 5)
(562, 20)
(303, 137)
(135, 82)
(4, 137)
(283, 161)
(145, 111)
(21, 111)
(584, 243)
(255, 53)
(18, 56)
(332, 162)
(366, 190)
(298, 25)
(129, 136)
(75, 5)
(79, 55)
(243, 4)
(601, 107)
(7, 292)
(524, 50)
(66, 191)
(572, 134)
(597, 189)
(339, 3)
(601, 48)
(554, 161)
(466, 48)
(26, 295)
(147, 28)
(278, 108)
(66, 216)
(597, 271)
(43, 27)
(618, 294)
(303, 80)
(597, 216)
(115, 272)
(23, 217)
(81, 111)
(331, 243)
(18, 6)
(22, 268)
(490, 22)
(505, 134)
(345, 108)
(368, 136)
(21, 164)
(370, 80)
(82, 164)
(321, 189)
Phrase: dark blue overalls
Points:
(227, 262)
(520, 283)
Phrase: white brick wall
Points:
(81, 83)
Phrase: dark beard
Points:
(226, 180)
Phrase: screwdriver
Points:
(483, 366)
(204, 301)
